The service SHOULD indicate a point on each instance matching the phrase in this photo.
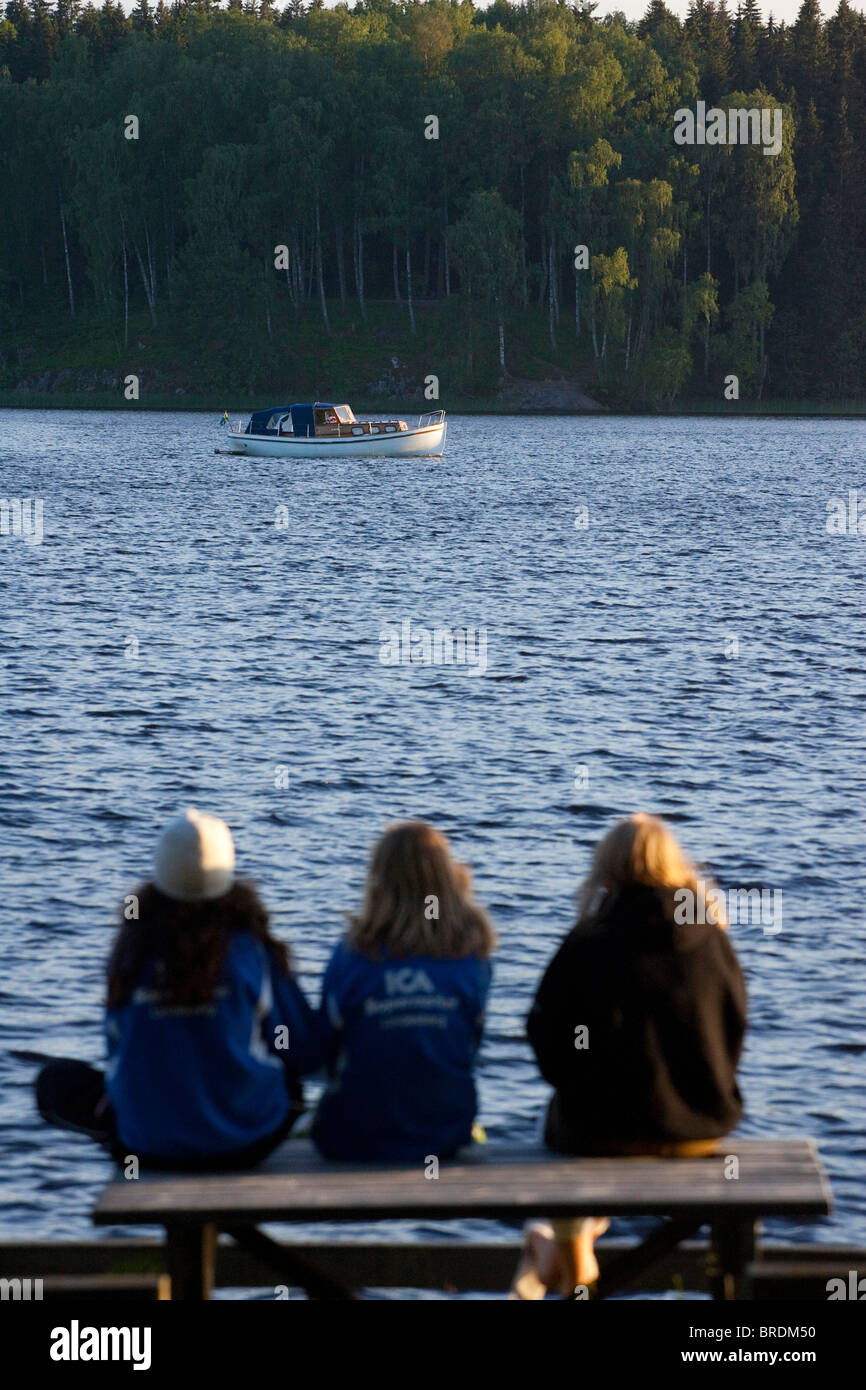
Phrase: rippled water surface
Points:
(698, 649)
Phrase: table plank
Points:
(776, 1178)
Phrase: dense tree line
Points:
(285, 163)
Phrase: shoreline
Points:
(205, 403)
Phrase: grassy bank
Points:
(805, 408)
(216, 403)
(378, 364)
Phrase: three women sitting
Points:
(637, 1024)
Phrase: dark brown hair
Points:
(189, 942)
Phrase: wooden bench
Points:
(134, 1266)
(429, 1261)
(512, 1184)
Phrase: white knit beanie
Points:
(195, 858)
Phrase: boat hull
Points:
(424, 442)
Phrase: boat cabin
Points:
(320, 420)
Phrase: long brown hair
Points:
(642, 850)
(189, 942)
(418, 900)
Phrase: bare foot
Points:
(582, 1250)
(557, 1260)
(539, 1262)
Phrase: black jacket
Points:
(664, 1006)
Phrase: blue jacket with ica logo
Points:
(402, 1036)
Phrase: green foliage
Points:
(666, 367)
(747, 317)
(611, 279)
(304, 128)
(485, 248)
(701, 307)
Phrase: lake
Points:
(668, 625)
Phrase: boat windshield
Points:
(344, 414)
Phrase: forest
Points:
(413, 199)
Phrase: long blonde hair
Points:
(418, 900)
(642, 849)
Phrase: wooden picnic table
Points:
(774, 1177)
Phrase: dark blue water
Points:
(609, 648)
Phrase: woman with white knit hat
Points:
(208, 1031)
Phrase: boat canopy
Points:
(268, 421)
(304, 418)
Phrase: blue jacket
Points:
(402, 1036)
(206, 1081)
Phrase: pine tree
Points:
(745, 33)
(707, 26)
(772, 45)
(806, 57)
(846, 37)
(141, 18)
(657, 18)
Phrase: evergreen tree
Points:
(806, 56)
(308, 129)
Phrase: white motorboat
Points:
(325, 431)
